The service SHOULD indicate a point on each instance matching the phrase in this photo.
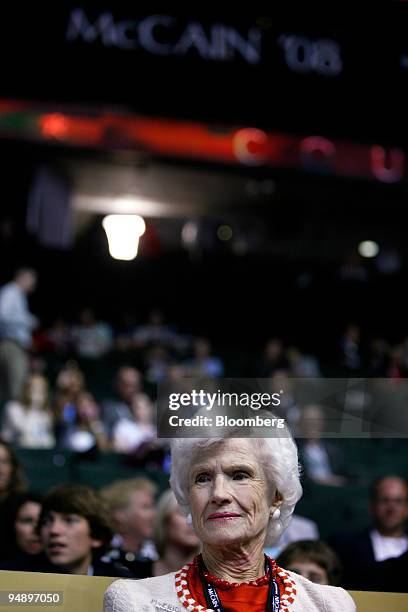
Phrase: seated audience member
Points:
(313, 560)
(378, 351)
(78, 423)
(76, 529)
(302, 366)
(350, 349)
(288, 407)
(86, 431)
(176, 371)
(60, 337)
(12, 483)
(390, 575)
(92, 339)
(157, 362)
(131, 503)
(396, 366)
(175, 539)
(128, 435)
(322, 462)
(28, 422)
(69, 384)
(154, 332)
(273, 359)
(128, 383)
(300, 528)
(203, 363)
(364, 556)
(125, 332)
(25, 550)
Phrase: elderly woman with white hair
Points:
(241, 494)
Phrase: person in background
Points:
(396, 366)
(323, 463)
(69, 385)
(128, 383)
(378, 357)
(175, 539)
(60, 338)
(125, 332)
(12, 483)
(301, 365)
(313, 560)
(154, 332)
(157, 362)
(300, 528)
(363, 555)
(131, 503)
(273, 359)
(350, 349)
(86, 432)
(25, 552)
(92, 339)
(128, 435)
(29, 422)
(16, 327)
(203, 363)
(75, 528)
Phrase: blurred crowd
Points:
(59, 387)
(55, 394)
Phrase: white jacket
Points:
(158, 594)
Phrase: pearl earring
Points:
(189, 519)
(275, 514)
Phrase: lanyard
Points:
(214, 602)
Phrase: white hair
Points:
(278, 457)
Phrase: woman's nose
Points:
(220, 491)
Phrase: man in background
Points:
(128, 383)
(16, 326)
(367, 555)
(132, 506)
(76, 529)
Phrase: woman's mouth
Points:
(223, 515)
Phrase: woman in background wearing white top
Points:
(29, 422)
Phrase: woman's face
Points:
(87, 408)
(180, 532)
(70, 381)
(310, 570)
(6, 468)
(25, 525)
(229, 497)
(37, 390)
(142, 410)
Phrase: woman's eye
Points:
(202, 478)
(240, 475)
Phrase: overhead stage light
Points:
(123, 233)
